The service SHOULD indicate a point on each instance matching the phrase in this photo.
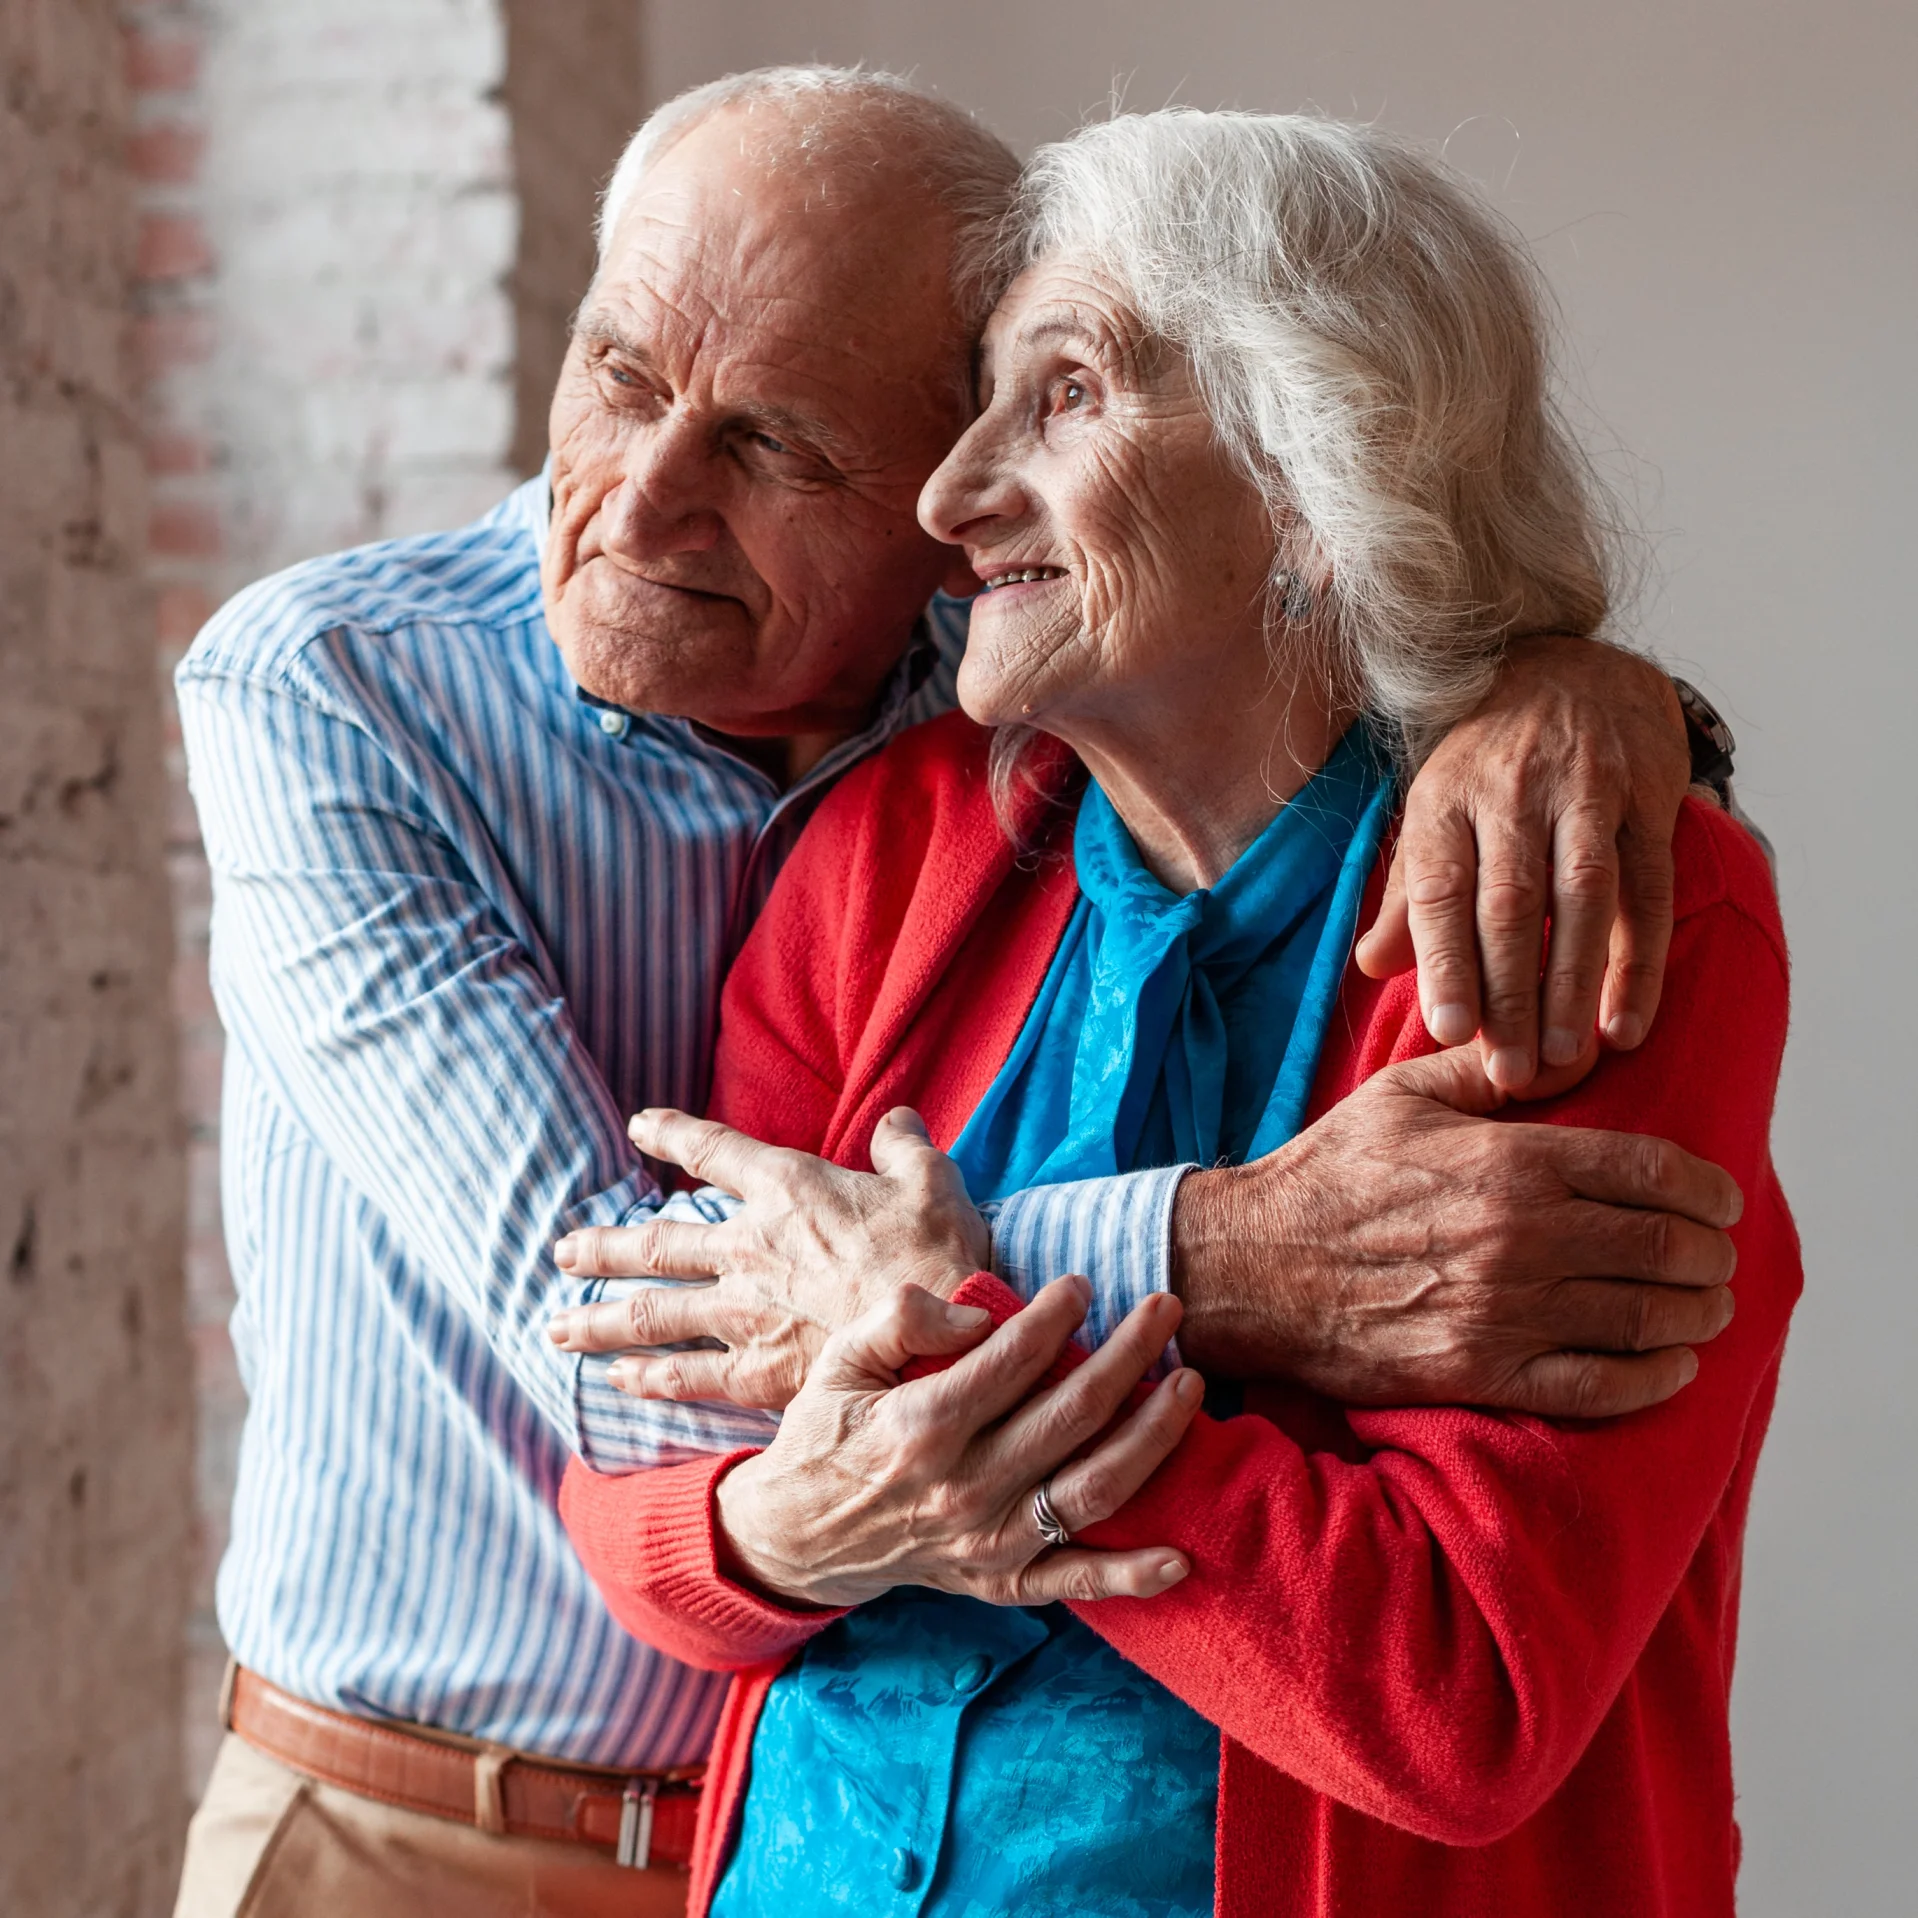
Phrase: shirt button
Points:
(903, 1870)
(611, 723)
(971, 1675)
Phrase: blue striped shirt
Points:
(464, 921)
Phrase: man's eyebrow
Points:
(601, 331)
(766, 416)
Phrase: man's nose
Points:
(665, 501)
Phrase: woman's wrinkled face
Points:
(1120, 548)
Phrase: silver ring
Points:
(1046, 1518)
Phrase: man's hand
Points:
(872, 1483)
(1557, 798)
(813, 1248)
(1408, 1250)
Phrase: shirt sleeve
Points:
(408, 1017)
(1116, 1231)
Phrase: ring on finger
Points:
(1051, 1528)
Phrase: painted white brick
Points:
(359, 199)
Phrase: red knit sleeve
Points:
(650, 1542)
(1433, 1633)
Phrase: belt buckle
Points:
(636, 1823)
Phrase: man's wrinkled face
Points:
(761, 379)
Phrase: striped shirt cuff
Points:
(1117, 1231)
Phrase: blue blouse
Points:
(933, 1754)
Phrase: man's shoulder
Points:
(482, 575)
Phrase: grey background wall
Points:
(1725, 193)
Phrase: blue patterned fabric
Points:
(463, 923)
(933, 1754)
(1068, 1782)
(1185, 1028)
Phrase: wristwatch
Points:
(1711, 740)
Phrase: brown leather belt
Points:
(646, 1818)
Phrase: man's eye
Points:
(770, 444)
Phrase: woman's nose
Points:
(972, 483)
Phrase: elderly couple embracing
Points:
(1116, 1416)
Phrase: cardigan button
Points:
(971, 1675)
(903, 1870)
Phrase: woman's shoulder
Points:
(1718, 863)
(939, 764)
(1727, 961)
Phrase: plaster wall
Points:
(95, 1498)
(1723, 193)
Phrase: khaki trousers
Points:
(268, 1842)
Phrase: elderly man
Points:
(475, 893)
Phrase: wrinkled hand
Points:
(1558, 797)
(814, 1246)
(872, 1483)
(1406, 1250)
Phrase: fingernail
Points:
(1171, 1572)
(1625, 1030)
(1451, 1025)
(1188, 1388)
(1561, 1045)
(566, 1250)
(1082, 1285)
(1509, 1067)
(559, 1328)
(1688, 1365)
(965, 1317)
(622, 1373)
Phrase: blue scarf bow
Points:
(1185, 1029)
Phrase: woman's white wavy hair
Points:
(1371, 342)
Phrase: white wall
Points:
(1725, 193)
(358, 196)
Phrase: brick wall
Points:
(327, 226)
(94, 1411)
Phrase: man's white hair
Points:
(862, 119)
(1371, 343)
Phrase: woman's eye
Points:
(1068, 396)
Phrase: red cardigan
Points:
(1463, 1662)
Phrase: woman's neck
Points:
(1198, 779)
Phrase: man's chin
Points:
(647, 670)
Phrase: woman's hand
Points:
(814, 1246)
(873, 1483)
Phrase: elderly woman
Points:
(1264, 475)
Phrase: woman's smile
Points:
(998, 578)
